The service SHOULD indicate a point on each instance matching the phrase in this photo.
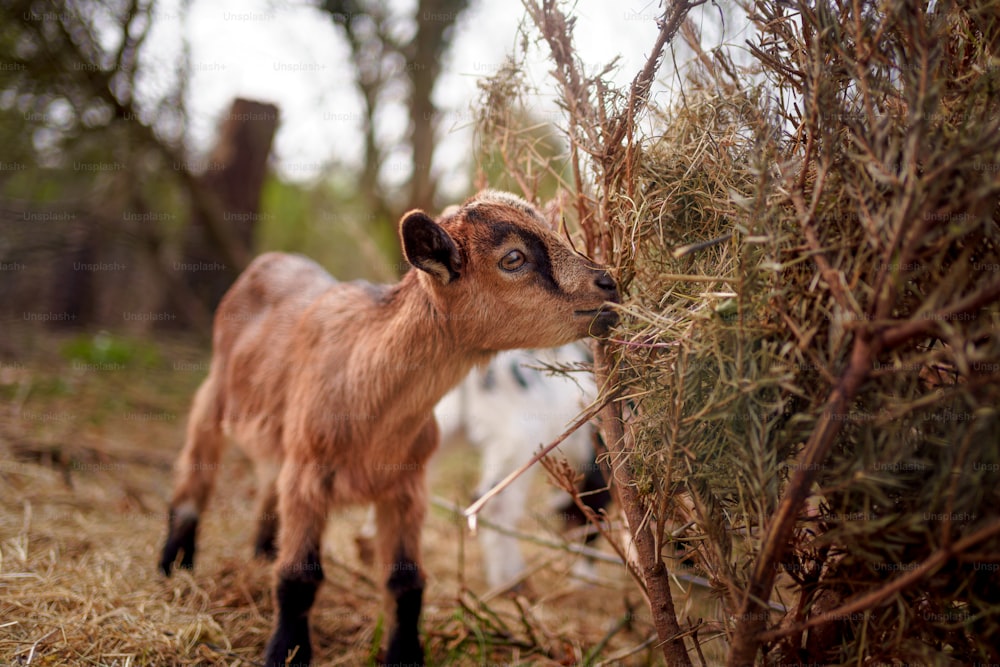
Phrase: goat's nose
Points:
(606, 282)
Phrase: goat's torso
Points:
(339, 374)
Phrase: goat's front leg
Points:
(303, 499)
(400, 519)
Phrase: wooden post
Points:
(234, 172)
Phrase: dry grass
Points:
(85, 459)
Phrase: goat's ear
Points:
(429, 247)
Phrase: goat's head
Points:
(503, 279)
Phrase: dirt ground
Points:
(89, 430)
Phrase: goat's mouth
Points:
(602, 319)
(603, 310)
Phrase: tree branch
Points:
(896, 335)
(753, 615)
(876, 597)
(654, 572)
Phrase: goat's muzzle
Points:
(603, 318)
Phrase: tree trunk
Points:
(435, 22)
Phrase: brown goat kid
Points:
(329, 388)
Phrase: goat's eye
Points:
(512, 260)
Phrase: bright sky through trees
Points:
(291, 54)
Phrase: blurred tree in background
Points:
(390, 51)
(98, 186)
(107, 208)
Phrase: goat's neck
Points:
(418, 357)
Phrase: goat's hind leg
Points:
(195, 478)
(266, 512)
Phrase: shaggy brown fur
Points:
(329, 388)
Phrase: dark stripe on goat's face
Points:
(538, 252)
(515, 370)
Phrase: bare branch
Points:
(875, 598)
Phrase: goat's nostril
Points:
(606, 282)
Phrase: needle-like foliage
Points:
(807, 367)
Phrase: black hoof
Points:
(265, 549)
(404, 645)
(180, 540)
(294, 596)
(404, 651)
(289, 648)
(406, 585)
